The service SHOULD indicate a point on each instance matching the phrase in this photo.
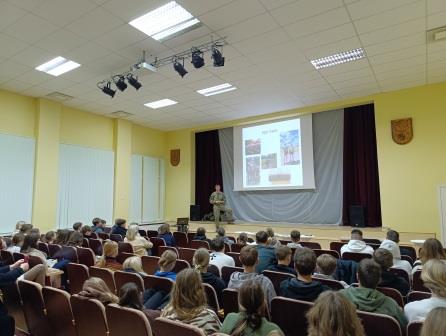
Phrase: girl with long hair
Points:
(130, 296)
(141, 246)
(201, 264)
(108, 258)
(435, 323)
(431, 249)
(95, 288)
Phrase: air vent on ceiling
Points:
(59, 96)
(436, 34)
(121, 114)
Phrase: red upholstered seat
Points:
(277, 277)
(157, 242)
(96, 246)
(53, 249)
(226, 272)
(416, 296)
(103, 235)
(181, 239)
(211, 296)
(355, 256)
(311, 245)
(163, 326)
(336, 246)
(196, 244)
(89, 315)
(417, 283)
(122, 278)
(214, 269)
(58, 310)
(333, 253)
(161, 249)
(116, 237)
(333, 284)
(289, 315)
(152, 234)
(236, 248)
(229, 300)
(414, 328)
(379, 324)
(150, 264)
(180, 265)
(43, 247)
(392, 293)
(86, 256)
(236, 257)
(158, 283)
(122, 321)
(186, 254)
(104, 274)
(77, 275)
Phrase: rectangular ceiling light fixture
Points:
(58, 66)
(161, 103)
(343, 57)
(213, 90)
(165, 21)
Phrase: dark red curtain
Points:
(207, 168)
(361, 177)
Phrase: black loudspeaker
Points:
(357, 215)
(194, 214)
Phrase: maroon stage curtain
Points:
(207, 168)
(361, 177)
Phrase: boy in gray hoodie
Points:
(249, 257)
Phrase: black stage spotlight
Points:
(219, 60)
(105, 87)
(133, 81)
(179, 68)
(120, 82)
(197, 58)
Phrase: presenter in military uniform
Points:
(218, 200)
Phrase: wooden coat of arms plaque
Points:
(402, 131)
(175, 157)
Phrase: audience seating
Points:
(59, 313)
(226, 272)
(196, 244)
(125, 247)
(149, 264)
(6, 257)
(122, 320)
(70, 253)
(333, 253)
(34, 260)
(43, 247)
(417, 296)
(53, 249)
(190, 236)
(336, 246)
(142, 233)
(77, 275)
(17, 256)
(236, 257)
(116, 237)
(34, 308)
(123, 256)
(417, 283)
(277, 278)
(379, 324)
(86, 256)
(180, 265)
(89, 315)
(236, 248)
(333, 284)
(94, 235)
(95, 245)
(289, 315)
(104, 274)
(400, 273)
(161, 250)
(186, 254)
(181, 239)
(311, 245)
(122, 278)
(85, 242)
(229, 301)
(152, 234)
(408, 251)
(227, 248)
(355, 256)
(372, 241)
(103, 235)
(374, 246)
(214, 270)
(211, 296)
(408, 259)
(392, 293)
(158, 283)
(414, 328)
(156, 243)
(164, 326)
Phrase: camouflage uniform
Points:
(218, 196)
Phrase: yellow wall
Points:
(147, 141)
(17, 114)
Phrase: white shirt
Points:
(220, 259)
(418, 310)
(357, 246)
(13, 249)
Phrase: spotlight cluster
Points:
(197, 59)
(119, 82)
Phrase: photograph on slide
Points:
(290, 148)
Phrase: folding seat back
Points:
(408, 251)
(181, 239)
(34, 260)
(229, 301)
(142, 233)
(311, 245)
(85, 242)
(379, 324)
(196, 244)
(375, 246)
(103, 235)
(6, 257)
(150, 264)
(89, 316)
(125, 247)
(58, 310)
(53, 249)
(226, 272)
(95, 245)
(77, 275)
(104, 274)
(333, 253)
(214, 270)
(417, 283)
(190, 236)
(122, 278)
(211, 296)
(333, 284)
(180, 265)
(43, 247)
(17, 256)
(227, 248)
(158, 283)
(394, 294)
(372, 241)
(94, 235)
(408, 259)
(121, 320)
(236, 248)
(152, 234)
(164, 326)
(123, 256)
(34, 308)
(86, 256)
(289, 315)
(116, 237)
(70, 253)
(236, 257)
(186, 254)
(277, 278)
(414, 328)
(417, 296)
(161, 249)
(157, 242)
(336, 246)
(107, 229)
(400, 273)
(355, 256)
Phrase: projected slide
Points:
(272, 155)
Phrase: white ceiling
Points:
(270, 45)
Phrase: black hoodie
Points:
(300, 290)
(216, 282)
(390, 280)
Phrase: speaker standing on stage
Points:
(218, 200)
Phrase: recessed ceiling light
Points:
(343, 57)
(57, 66)
(213, 90)
(165, 21)
(161, 103)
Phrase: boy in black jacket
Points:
(384, 259)
(283, 255)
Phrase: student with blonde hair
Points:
(435, 323)
(188, 303)
(166, 264)
(140, 245)
(95, 288)
(434, 278)
(133, 265)
(108, 258)
(201, 264)
(333, 314)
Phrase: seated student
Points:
(18, 226)
(218, 256)
(95, 288)
(201, 263)
(356, 244)
(62, 237)
(75, 239)
(16, 244)
(435, 323)
(332, 314)
(431, 249)
(272, 239)
(133, 265)
(26, 228)
(141, 245)
(29, 246)
(108, 258)
(326, 268)
(119, 227)
(295, 239)
(283, 255)
(86, 231)
(164, 232)
(391, 244)
(49, 237)
(188, 303)
(166, 264)
(267, 256)
(385, 260)
(434, 278)
(77, 226)
(367, 298)
(303, 287)
(201, 235)
(249, 257)
(250, 320)
(221, 232)
(242, 239)
(98, 225)
(130, 296)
